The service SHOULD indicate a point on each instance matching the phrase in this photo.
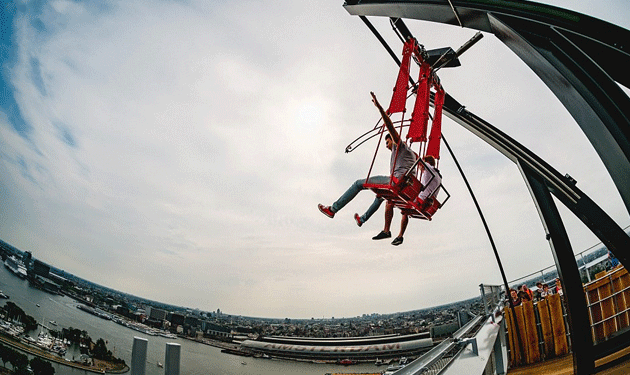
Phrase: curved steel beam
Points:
(578, 57)
(542, 181)
(562, 187)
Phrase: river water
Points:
(196, 358)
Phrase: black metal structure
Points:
(563, 254)
(543, 180)
(579, 58)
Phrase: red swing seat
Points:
(404, 193)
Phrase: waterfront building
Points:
(27, 259)
(40, 268)
(191, 321)
(46, 284)
(157, 314)
(215, 330)
(331, 349)
(176, 319)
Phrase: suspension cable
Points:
(400, 24)
(483, 219)
(455, 12)
(380, 39)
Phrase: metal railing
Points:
(550, 273)
(477, 347)
(611, 309)
(491, 296)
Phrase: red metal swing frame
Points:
(403, 192)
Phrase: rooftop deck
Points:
(614, 364)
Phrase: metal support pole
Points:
(500, 351)
(171, 358)
(139, 356)
(577, 310)
(588, 274)
(483, 298)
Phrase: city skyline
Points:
(196, 310)
(593, 253)
(179, 150)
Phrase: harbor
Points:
(43, 350)
(170, 176)
(198, 358)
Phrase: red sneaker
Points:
(326, 210)
(357, 218)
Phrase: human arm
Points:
(386, 120)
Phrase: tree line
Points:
(14, 312)
(98, 350)
(20, 363)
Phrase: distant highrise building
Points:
(176, 319)
(41, 268)
(191, 321)
(27, 257)
(157, 314)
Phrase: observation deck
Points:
(580, 59)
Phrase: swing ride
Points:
(581, 59)
(408, 192)
(404, 192)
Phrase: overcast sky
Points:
(178, 150)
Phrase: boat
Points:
(15, 330)
(378, 362)
(243, 363)
(167, 335)
(2, 295)
(37, 304)
(159, 364)
(59, 348)
(346, 362)
(22, 273)
(15, 266)
(44, 341)
(29, 339)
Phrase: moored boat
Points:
(15, 266)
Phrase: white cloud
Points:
(177, 151)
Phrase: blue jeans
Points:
(354, 189)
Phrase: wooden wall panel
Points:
(560, 343)
(546, 329)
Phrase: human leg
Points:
(371, 210)
(348, 195)
(354, 189)
(389, 214)
(403, 226)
